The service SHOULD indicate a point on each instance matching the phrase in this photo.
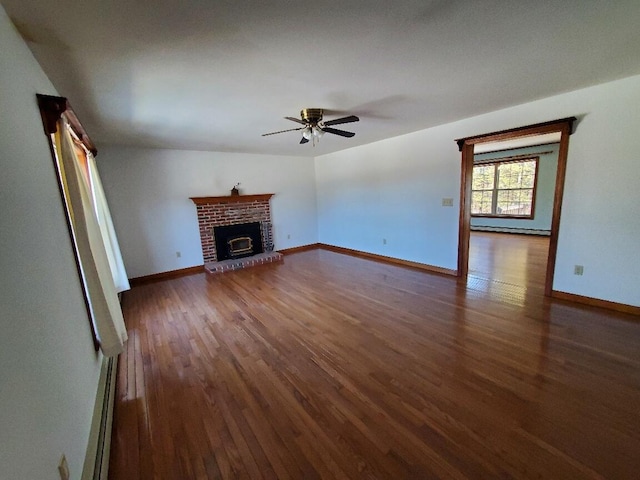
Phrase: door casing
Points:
(466, 145)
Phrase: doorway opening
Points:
(560, 128)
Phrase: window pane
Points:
(516, 175)
(528, 174)
(481, 202)
(483, 176)
(514, 202)
(509, 175)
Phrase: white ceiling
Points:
(215, 75)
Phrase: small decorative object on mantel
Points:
(235, 190)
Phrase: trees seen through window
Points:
(504, 189)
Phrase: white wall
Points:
(545, 189)
(392, 189)
(48, 368)
(148, 192)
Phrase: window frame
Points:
(495, 190)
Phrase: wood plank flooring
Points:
(329, 366)
(507, 267)
(508, 258)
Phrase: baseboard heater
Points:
(101, 470)
(526, 231)
(96, 464)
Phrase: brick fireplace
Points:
(234, 210)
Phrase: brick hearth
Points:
(245, 262)
(234, 210)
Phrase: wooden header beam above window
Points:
(52, 108)
(536, 129)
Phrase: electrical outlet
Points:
(447, 202)
(63, 468)
(384, 241)
(178, 254)
(578, 270)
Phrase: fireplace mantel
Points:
(231, 198)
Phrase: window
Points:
(98, 258)
(504, 189)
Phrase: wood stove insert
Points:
(237, 241)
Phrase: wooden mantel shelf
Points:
(231, 198)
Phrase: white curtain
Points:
(100, 287)
(109, 237)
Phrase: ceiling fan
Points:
(313, 128)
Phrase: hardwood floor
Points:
(514, 259)
(330, 366)
(507, 267)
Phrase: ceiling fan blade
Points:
(304, 140)
(282, 131)
(338, 121)
(297, 120)
(335, 131)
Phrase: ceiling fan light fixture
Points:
(314, 127)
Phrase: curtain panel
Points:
(96, 268)
(105, 223)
